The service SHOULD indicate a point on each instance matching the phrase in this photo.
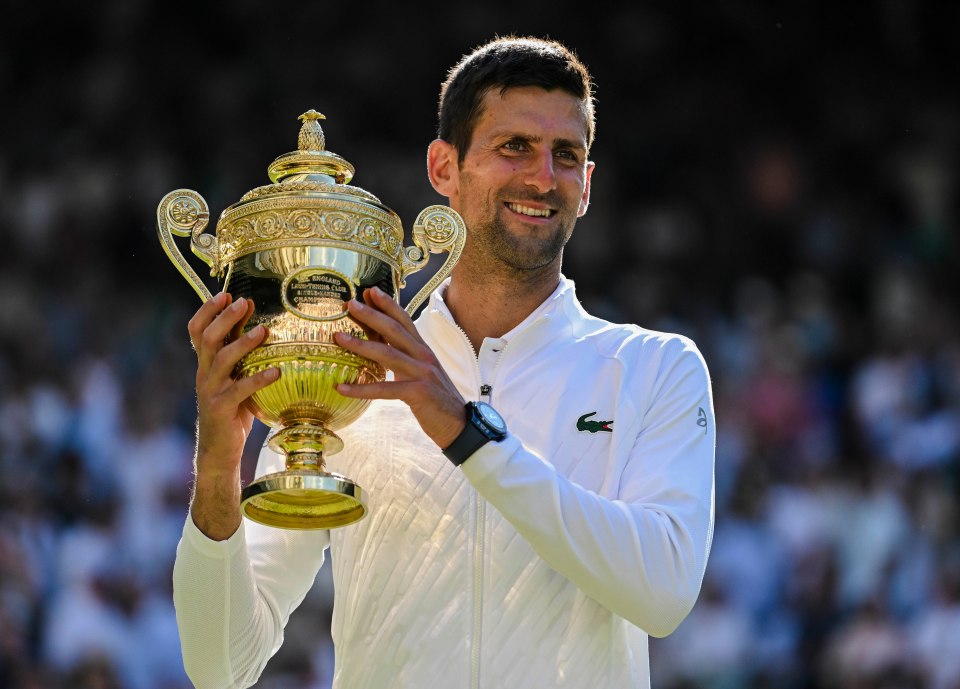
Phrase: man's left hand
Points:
(418, 378)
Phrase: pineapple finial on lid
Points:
(311, 161)
(311, 135)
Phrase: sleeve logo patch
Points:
(593, 426)
(702, 419)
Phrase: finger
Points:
(204, 316)
(391, 390)
(236, 331)
(247, 386)
(389, 306)
(214, 335)
(386, 355)
(229, 356)
(389, 328)
(369, 332)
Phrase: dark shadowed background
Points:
(776, 180)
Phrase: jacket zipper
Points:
(486, 394)
(486, 391)
(478, 536)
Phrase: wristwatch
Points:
(484, 424)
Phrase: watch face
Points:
(491, 416)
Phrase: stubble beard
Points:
(523, 254)
(530, 252)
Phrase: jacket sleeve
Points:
(234, 597)
(641, 554)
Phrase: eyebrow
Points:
(567, 143)
(557, 143)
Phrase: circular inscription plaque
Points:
(317, 294)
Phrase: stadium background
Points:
(776, 180)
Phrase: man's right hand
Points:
(223, 422)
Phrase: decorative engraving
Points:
(303, 223)
(321, 352)
(369, 233)
(441, 226)
(268, 226)
(437, 228)
(188, 220)
(298, 221)
(283, 187)
(339, 225)
(206, 244)
(184, 212)
(391, 244)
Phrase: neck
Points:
(487, 305)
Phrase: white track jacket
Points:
(545, 561)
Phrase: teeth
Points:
(534, 212)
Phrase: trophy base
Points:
(303, 499)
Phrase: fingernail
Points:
(241, 302)
(358, 305)
(255, 332)
(272, 373)
(378, 291)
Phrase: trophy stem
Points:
(304, 495)
(306, 460)
(304, 443)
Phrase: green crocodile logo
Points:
(593, 426)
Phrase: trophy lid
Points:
(309, 203)
(310, 169)
(311, 161)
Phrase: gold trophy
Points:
(300, 248)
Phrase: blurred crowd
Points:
(779, 184)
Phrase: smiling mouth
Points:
(530, 212)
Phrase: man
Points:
(541, 555)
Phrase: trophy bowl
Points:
(300, 248)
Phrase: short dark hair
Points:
(507, 63)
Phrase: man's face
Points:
(525, 178)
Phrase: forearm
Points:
(215, 505)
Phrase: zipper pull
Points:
(485, 391)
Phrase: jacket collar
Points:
(548, 325)
(557, 312)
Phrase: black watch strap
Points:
(483, 425)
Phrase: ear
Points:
(585, 199)
(443, 169)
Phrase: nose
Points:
(541, 174)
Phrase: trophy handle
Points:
(437, 228)
(184, 213)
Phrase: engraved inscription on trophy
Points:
(317, 294)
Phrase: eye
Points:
(515, 145)
(567, 156)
